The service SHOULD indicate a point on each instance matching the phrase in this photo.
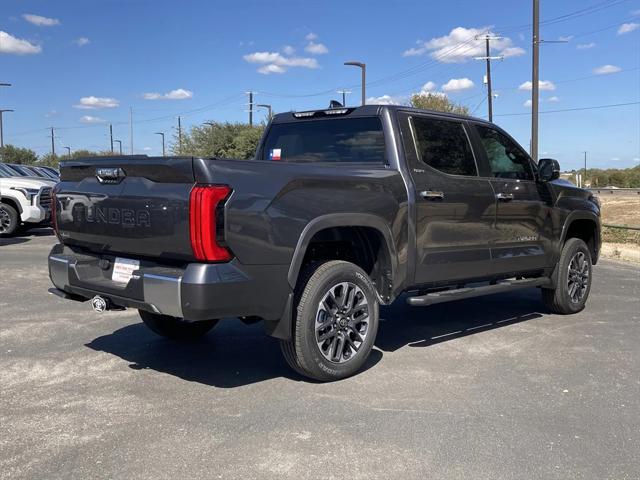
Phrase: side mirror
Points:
(548, 169)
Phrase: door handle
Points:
(504, 197)
(432, 195)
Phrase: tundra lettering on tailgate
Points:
(118, 216)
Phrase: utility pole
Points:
(250, 93)
(53, 145)
(111, 137)
(535, 79)
(585, 166)
(119, 142)
(179, 134)
(363, 68)
(1, 126)
(131, 128)
(68, 152)
(488, 59)
(344, 96)
(162, 135)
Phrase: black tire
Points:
(573, 285)
(176, 328)
(335, 323)
(9, 220)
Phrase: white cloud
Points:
(51, 113)
(40, 21)
(316, 48)
(16, 46)
(288, 50)
(384, 100)
(91, 119)
(628, 28)
(586, 46)
(542, 85)
(554, 99)
(428, 87)
(566, 38)
(606, 69)
(147, 149)
(177, 94)
(82, 41)
(528, 103)
(457, 84)
(92, 103)
(311, 37)
(461, 45)
(271, 68)
(635, 12)
(512, 52)
(274, 62)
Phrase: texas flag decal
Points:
(275, 154)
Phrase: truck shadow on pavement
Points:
(25, 236)
(234, 354)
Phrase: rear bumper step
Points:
(470, 292)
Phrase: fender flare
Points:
(14, 200)
(579, 215)
(340, 220)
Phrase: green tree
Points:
(231, 140)
(12, 154)
(437, 102)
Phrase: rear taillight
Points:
(206, 222)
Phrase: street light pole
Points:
(363, 68)
(585, 168)
(119, 142)
(111, 137)
(268, 107)
(68, 151)
(1, 127)
(162, 135)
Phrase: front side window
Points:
(334, 140)
(506, 158)
(443, 145)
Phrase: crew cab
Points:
(340, 211)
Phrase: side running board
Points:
(470, 292)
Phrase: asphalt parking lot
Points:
(491, 387)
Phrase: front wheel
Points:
(574, 279)
(176, 328)
(335, 324)
(9, 220)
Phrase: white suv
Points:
(23, 200)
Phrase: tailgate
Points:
(137, 206)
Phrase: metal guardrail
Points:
(615, 191)
(622, 227)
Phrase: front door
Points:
(523, 221)
(455, 208)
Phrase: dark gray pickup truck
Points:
(341, 210)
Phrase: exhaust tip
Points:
(99, 304)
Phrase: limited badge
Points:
(275, 154)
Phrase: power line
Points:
(595, 107)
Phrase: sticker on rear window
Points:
(275, 154)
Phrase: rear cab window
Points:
(344, 140)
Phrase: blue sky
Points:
(78, 65)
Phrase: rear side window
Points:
(506, 158)
(335, 140)
(444, 145)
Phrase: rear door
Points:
(523, 228)
(455, 207)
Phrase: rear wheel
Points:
(176, 328)
(574, 279)
(335, 324)
(9, 220)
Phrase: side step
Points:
(470, 292)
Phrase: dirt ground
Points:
(620, 209)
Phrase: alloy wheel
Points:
(342, 322)
(578, 277)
